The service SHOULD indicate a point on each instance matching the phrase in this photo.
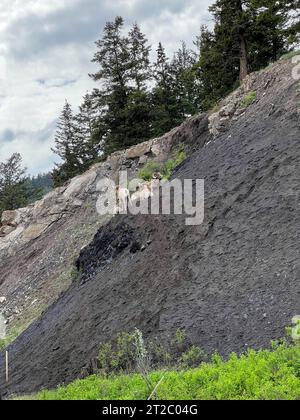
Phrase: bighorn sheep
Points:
(123, 196)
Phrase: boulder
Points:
(162, 147)
(138, 150)
(143, 160)
(80, 184)
(34, 231)
(228, 110)
(6, 230)
(11, 218)
(218, 124)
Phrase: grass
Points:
(249, 99)
(262, 375)
(289, 55)
(14, 333)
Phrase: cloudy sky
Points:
(46, 48)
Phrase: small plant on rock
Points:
(249, 99)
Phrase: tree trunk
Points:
(243, 46)
(243, 59)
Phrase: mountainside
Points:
(231, 283)
(39, 244)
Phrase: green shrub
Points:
(120, 357)
(106, 358)
(126, 352)
(249, 99)
(161, 356)
(149, 169)
(172, 164)
(193, 358)
(166, 170)
(180, 337)
(261, 375)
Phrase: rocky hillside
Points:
(39, 244)
(231, 283)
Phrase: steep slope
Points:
(39, 244)
(231, 283)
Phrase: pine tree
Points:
(68, 147)
(124, 73)
(89, 128)
(113, 56)
(139, 61)
(15, 188)
(139, 101)
(270, 31)
(186, 82)
(232, 26)
(165, 107)
(218, 69)
(248, 35)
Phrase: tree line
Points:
(136, 99)
(18, 189)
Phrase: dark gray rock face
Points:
(231, 283)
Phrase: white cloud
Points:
(45, 52)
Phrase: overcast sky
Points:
(46, 48)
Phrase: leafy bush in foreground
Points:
(123, 356)
(262, 375)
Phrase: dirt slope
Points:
(232, 282)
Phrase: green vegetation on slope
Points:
(290, 55)
(166, 170)
(249, 99)
(262, 375)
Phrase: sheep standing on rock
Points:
(123, 198)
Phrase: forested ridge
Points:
(135, 99)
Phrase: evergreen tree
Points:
(15, 189)
(165, 112)
(270, 31)
(218, 69)
(113, 58)
(186, 83)
(232, 27)
(40, 185)
(124, 73)
(139, 101)
(248, 35)
(68, 147)
(89, 128)
(139, 61)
